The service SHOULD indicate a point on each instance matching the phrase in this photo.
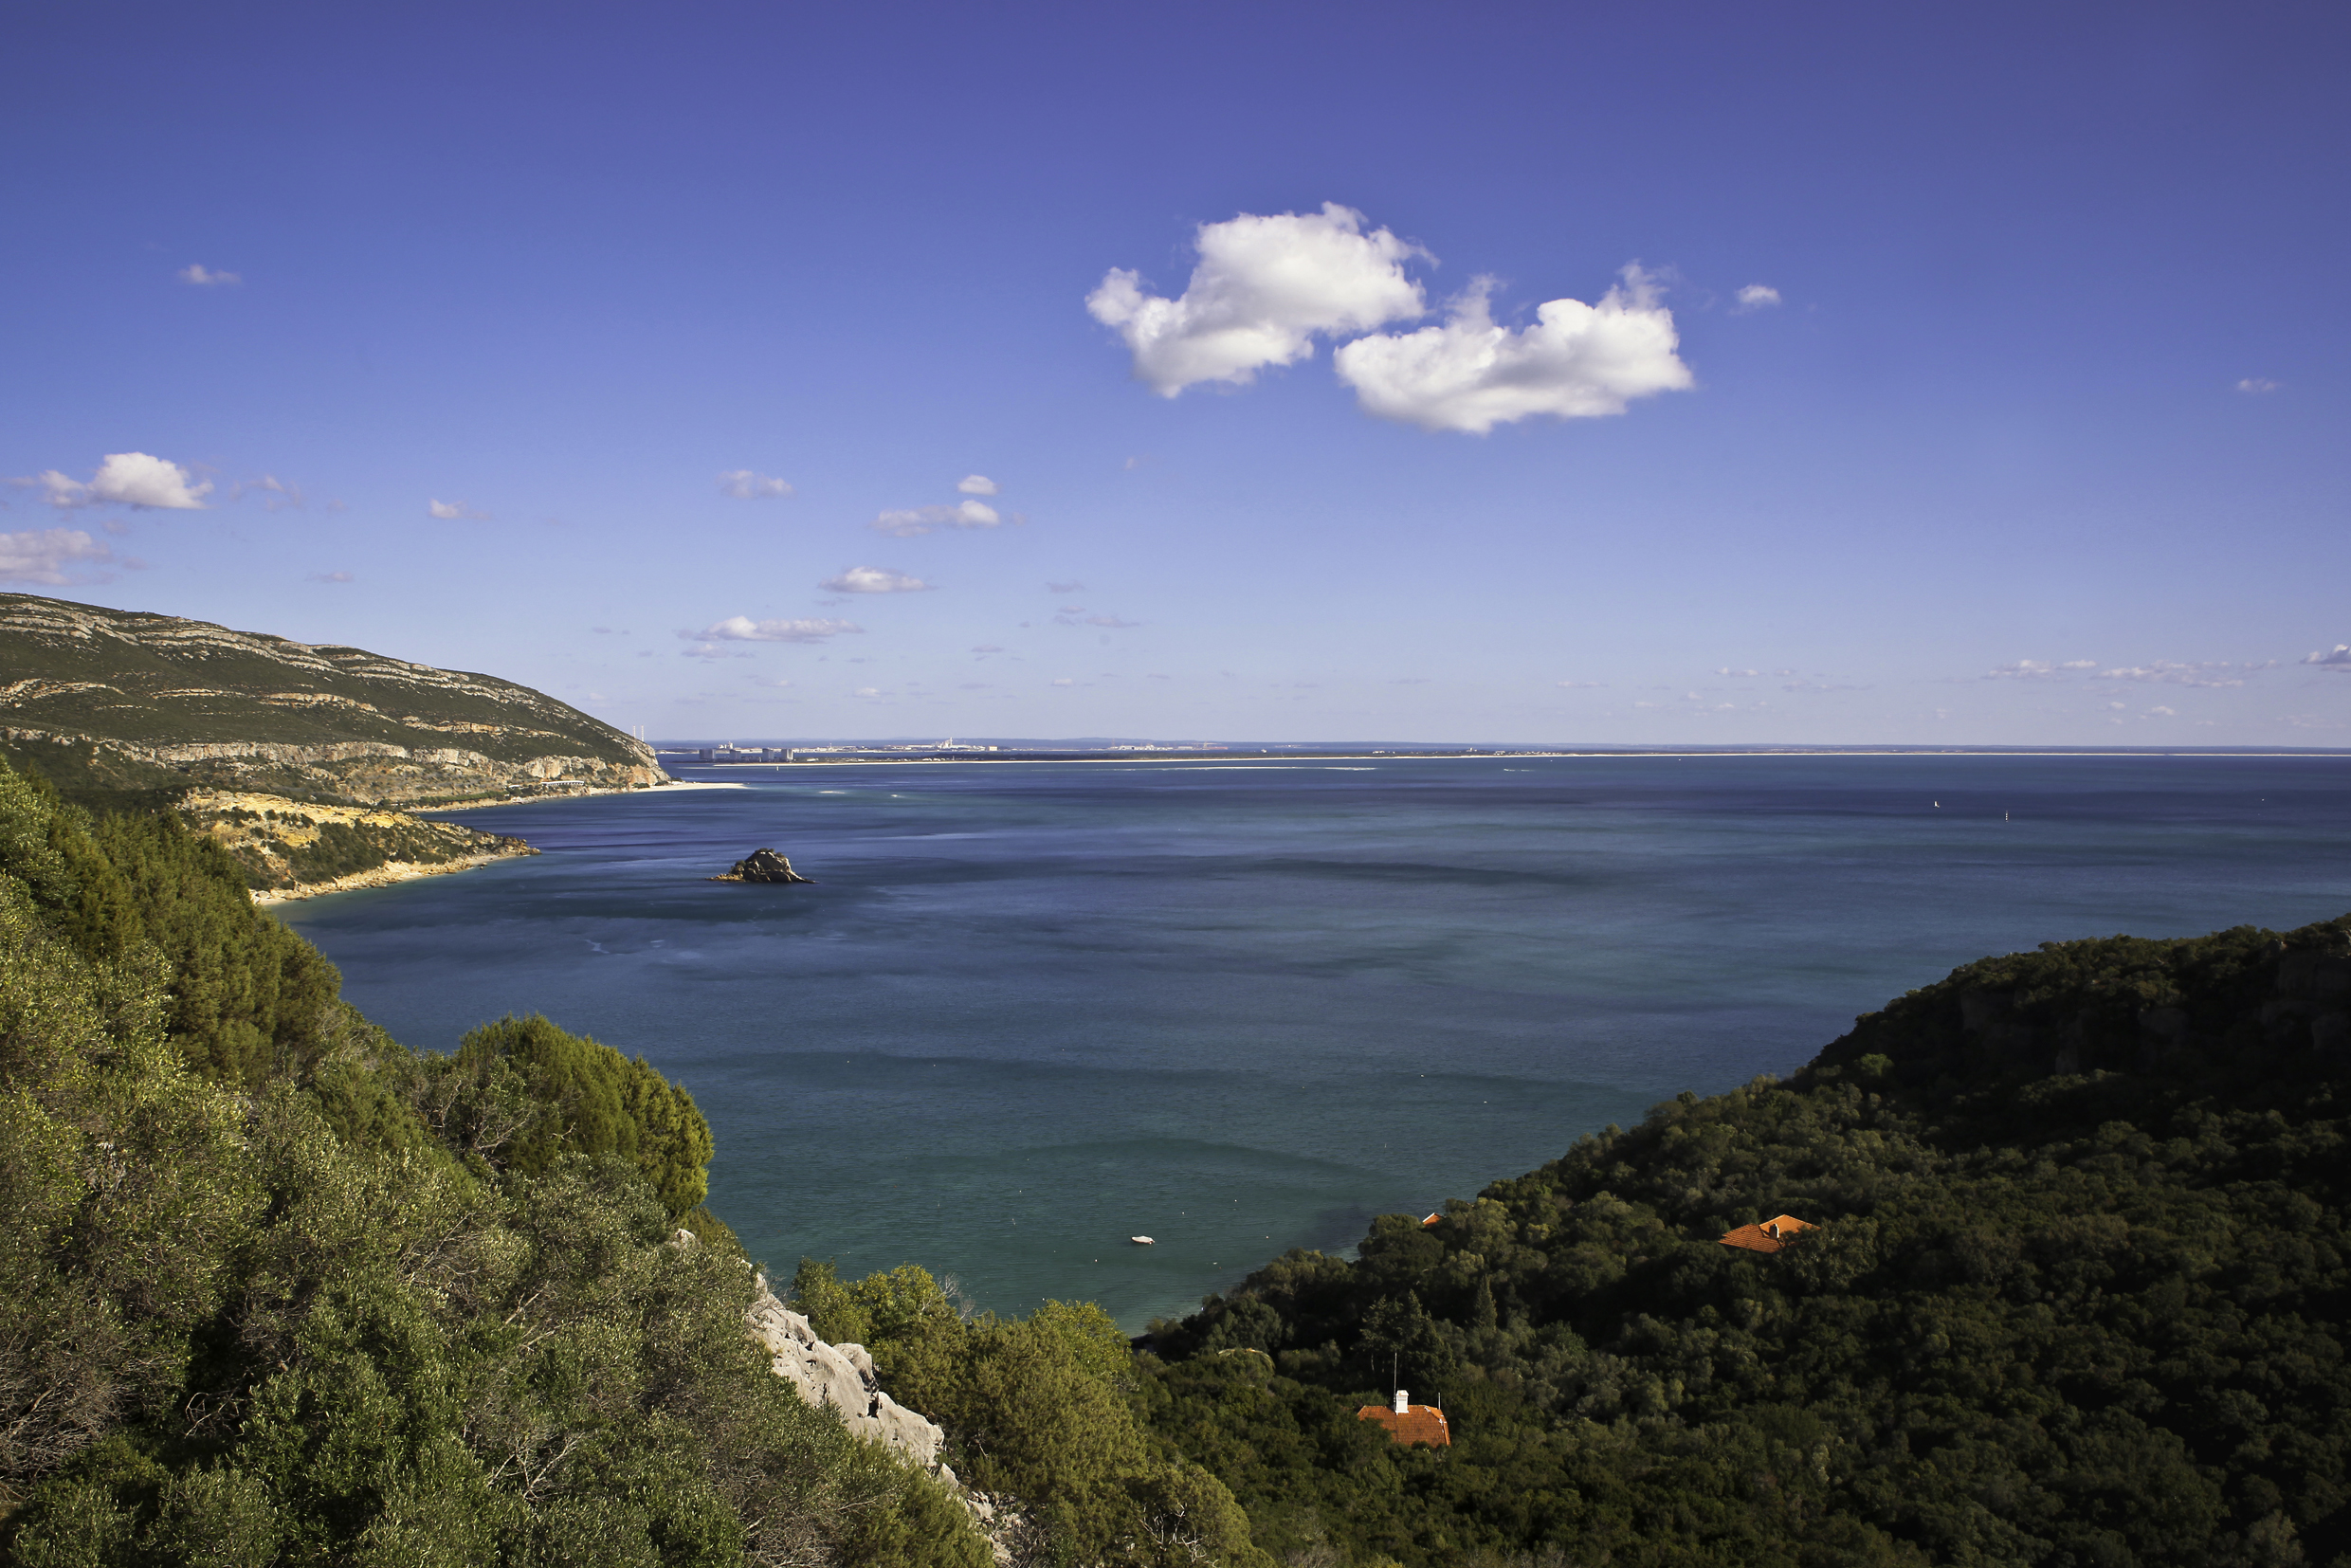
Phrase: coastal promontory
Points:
(114, 701)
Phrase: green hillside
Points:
(2078, 1295)
(114, 700)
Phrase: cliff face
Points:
(136, 700)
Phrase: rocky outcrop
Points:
(296, 850)
(840, 1376)
(154, 702)
(762, 866)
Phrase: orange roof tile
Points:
(1771, 1235)
(1417, 1424)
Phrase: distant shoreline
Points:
(1267, 758)
(674, 786)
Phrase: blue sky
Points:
(2035, 435)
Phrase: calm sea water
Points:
(1027, 1011)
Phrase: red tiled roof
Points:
(1430, 1220)
(1770, 1236)
(1417, 1424)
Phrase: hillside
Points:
(2079, 1294)
(113, 700)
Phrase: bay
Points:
(1027, 1011)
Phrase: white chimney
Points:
(1401, 1406)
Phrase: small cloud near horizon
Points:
(2339, 658)
(742, 629)
(199, 276)
(454, 511)
(977, 484)
(330, 578)
(2258, 384)
(873, 580)
(744, 484)
(913, 521)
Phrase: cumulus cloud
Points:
(42, 555)
(2257, 384)
(977, 484)
(917, 521)
(1578, 361)
(743, 485)
(201, 276)
(873, 580)
(742, 629)
(1263, 288)
(2339, 658)
(455, 511)
(1756, 297)
(126, 479)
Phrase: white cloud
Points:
(455, 511)
(126, 479)
(742, 629)
(2257, 384)
(2188, 673)
(203, 277)
(709, 650)
(329, 577)
(1581, 686)
(869, 691)
(1756, 297)
(745, 486)
(282, 494)
(1263, 287)
(917, 521)
(873, 580)
(2027, 669)
(2163, 712)
(2340, 658)
(41, 555)
(977, 484)
(1578, 361)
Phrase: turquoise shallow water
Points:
(1028, 1010)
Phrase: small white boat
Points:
(1142, 1241)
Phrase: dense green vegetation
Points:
(1041, 1409)
(2079, 1297)
(281, 1291)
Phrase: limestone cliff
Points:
(121, 699)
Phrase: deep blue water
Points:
(1030, 1009)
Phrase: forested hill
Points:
(2078, 1296)
(109, 701)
